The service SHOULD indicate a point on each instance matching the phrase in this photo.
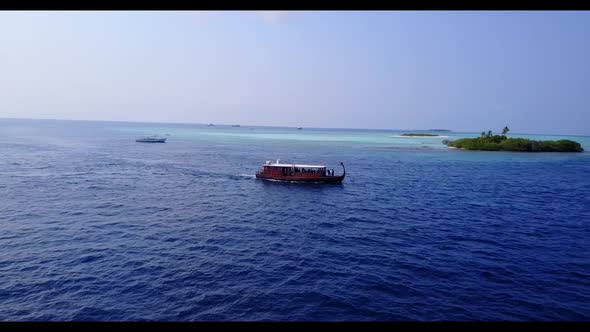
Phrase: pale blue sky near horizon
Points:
(465, 70)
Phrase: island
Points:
(489, 142)
(445, 130)
(418, 135)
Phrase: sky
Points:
(464, 70)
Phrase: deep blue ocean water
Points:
(98, 227)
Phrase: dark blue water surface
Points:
(98, 227)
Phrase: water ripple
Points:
(101, 228)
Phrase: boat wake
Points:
(251, 176)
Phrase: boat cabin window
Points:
(292, 170)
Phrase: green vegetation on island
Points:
(489, 142)
(418, 135)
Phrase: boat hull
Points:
(316, 179)
(151, 141)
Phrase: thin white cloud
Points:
(272, 16)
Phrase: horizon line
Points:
(275, 126)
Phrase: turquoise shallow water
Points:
(98, 227)
(376, 137)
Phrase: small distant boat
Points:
(299, 128)
(235, 125)
(210, 124)
(151, 139)
(299, 173)
(439, 130)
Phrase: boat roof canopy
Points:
(293, 165)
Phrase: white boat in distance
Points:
(151, 139)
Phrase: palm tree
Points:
(505, 130)
(489, 133)
(483, 134)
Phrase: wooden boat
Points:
(299, 173)
(151, 139)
